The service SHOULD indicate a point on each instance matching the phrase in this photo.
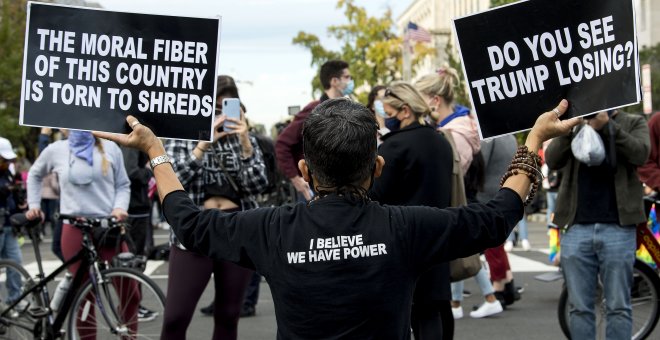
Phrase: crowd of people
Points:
(366, 167)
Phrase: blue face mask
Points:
(392, 124)
(349, 88)
(379, 108)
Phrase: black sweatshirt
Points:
(339, 268)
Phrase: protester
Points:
(50, 196)
(600, 205)
(496, 154)
(359, 295)
(10, 203)
(439, 91)
(418, 171)
(337, 82)
(224, 175)
(93, 183)
(139, 211)
(649, 173)
(375, 104)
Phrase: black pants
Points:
(432, 321)
(252, 291)
(141, 234)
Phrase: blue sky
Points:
(255, 43)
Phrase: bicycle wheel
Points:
(18, 323)
(122, 293)
(645, 300)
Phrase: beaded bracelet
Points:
(527, 163)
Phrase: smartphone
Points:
(231, 108)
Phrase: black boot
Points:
(511, 289)
(501, 298)
(208, 310)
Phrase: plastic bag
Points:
(588, 147)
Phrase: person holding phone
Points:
(223, 174)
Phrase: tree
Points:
(369, 45)
(12, 33)
(496, 3)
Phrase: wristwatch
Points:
(156, 161)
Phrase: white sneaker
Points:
(508, 246)
(457, 312)
(487, 309)
(526, 246)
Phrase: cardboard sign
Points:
(520, 60)
(87, 69)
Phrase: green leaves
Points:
(369, 44)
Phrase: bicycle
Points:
(645, 291)
(101, 301)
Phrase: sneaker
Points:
(508, 246)
(526, 246)
(208, 310)
(487, 309)
(457, 312)
(145, 314)
(247, 311)
(466, 293)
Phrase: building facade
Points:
(436, 16)
(648, 27)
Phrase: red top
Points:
(649, 173)
(289, 146)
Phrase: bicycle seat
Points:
(19, 220)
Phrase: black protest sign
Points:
(88, 69)
(521, 60)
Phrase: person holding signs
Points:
(224, 175)
(345, 293)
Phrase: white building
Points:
(436, 16)
(648, 27)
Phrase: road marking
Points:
(50, 266)
(524, 265)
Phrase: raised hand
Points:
(548, 126)
(141, 138)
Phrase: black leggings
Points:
(189, 274)
(432, 321)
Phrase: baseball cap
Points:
(6, 151)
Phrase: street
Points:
(534, 316)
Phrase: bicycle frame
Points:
(88, 265)
(645, 237)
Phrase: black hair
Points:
(331, 69)
(372, 96)
(226, 87)
(339, 143)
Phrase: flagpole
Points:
(407, 71)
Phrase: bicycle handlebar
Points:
(104, 222)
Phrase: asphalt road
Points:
(533, 317)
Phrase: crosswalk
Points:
(50, 265)
(518, 262)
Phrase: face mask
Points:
(392, 123)
(379, 108)
(349, 88)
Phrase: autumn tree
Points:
(369, 44)
(12, 33)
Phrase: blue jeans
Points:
(482, 280)
(551, 198)
(522, 230)
(9, 250)
(593, 250)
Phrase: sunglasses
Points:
(389, 93)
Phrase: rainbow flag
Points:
(642, 253)
(554, 236)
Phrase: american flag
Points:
(417, 33)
